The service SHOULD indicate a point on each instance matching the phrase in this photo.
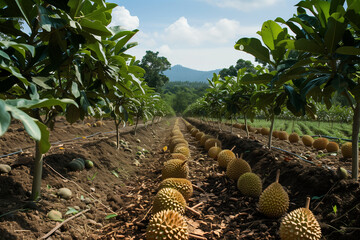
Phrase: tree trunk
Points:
(117, 123)
(246, 126)
(136, 124)
(355, 140)
(231, 122)
(36, 186)
(271, 131)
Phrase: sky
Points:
(198, 34)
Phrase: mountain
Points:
(179, 73)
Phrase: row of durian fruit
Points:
(273, 201)
(320, 143)
(167, 221)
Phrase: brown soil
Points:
(225, 213)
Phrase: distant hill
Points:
(179, 73)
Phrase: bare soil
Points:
(124, 183)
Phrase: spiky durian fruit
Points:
(169, 198)
(237, 167)
(182, 149)
(204, 139)
(178, 156)
(307, 140)
(211, 143)
(194, 132)
(176, 133)
(176, 141)
(275, 133)
(183, 185)
(250, 184)
(346, 150)
(332, 147)
(225, 156)
(167, 225)
(283, 135)
(214, 151)
(320, 143)
(294, 137)
(175, 168)
(199, 135)
(300, 224)
(265, 131)
(274, 201)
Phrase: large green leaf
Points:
(75, 7)
(40, 103)
(269, 33)
(44, 143)
(99, 14)
(25, 7)
(257, 79)
(99, 51)
(29, 124)
(348, 50)
(305, 45)
(120, 45)
(5, 118)
(20, 47)
(335, 30)
(95, 27)
(254, 47)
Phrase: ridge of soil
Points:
(224, 212)
(300, 179)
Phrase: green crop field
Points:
(335, 129)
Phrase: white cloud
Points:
(181, 33)
(122, 17)
(243, 5)
(164, 50)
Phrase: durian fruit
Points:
(183, 185)
(194, 132)
(274, 201)
(237, 167)
(283, 135)
(175, 168)
(183, 150)
(275, 133)
(225, 156)
(332, 147)
(250, 184)
(178, 156)
(294, 137)
(169, 198)
(211, 143)
(214, 151)
(204, 139)
(300, 224)
(176, 141)
(167, 225)
(265, 131)
(307, 140)
(346, 150)
(199, 135)
(320, 143)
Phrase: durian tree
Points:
(274, 53)
(327, 33)
(60, 67)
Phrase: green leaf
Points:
(269, 33)
(24, 9)
(95, 27)
(335, 29)
(120, 45)
(20, 47)
(99, 51)
(14, 71)
(257, 79)
(40, 81)
(44, 143)
(5, 118)
(110, 216)
(348, 50)
(254, 47)
(75, 7)
(71, 211)
(29, 124)
(40, 103)
(115, 173)
(305, 45)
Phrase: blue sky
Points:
(198, 34)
